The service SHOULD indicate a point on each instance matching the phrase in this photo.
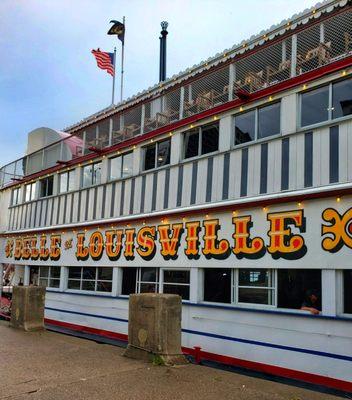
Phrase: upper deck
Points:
(283, 55)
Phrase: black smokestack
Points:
(162, 65)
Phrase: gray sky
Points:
(48, 76)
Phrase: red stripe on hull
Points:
(237, 362)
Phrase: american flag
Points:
(104, 60)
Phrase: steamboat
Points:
(229, 184)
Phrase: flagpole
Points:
(113, 78)
(122, 61)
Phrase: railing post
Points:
(232, 77)
(142, 118)
(293, 55)
(182, 100)
(110, 131)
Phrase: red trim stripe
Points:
(237, 362)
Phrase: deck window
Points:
(129, 278)
(91, 174)
(155, 280)
(217, 285)
(258, 123)
(30, 191)
(67, 181)
(347, 291)
(176, 282)
(46, 186)
(202, 140)
(294, 285)
(157, 154)
(97, 279)
(269, 120)
(342, 98)
(245, 127)
(315, 106)
(49, 276)
(256, 286)
(326, 103)
(121, 166)
(148, 280)
(15, 196)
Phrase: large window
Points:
(155, 280)
(176, 282)
(295, 285)
(326, 102)
(315, 106)
(46, 186)
(91, 174)
(16, 196)
(282, 288)
(96, 279)
(67, 181)
(202, 140)
(217, 285)
(342, 98)
(121, 166)
(49, 276)
(258, 123)
(347, 291)
(148, 280)
(256, 286)
(30, 191)
(157, 154)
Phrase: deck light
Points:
(191, 126)
(241, 108)
(343, 73)
(265, 209)
(184, 219)
(234, 213)
(299, 204)
(143, 222)
(134, 146)
(304, 87)
(338, 199)
(215, 118)
(207, 216)
(151, 140)
(270, 98)
(170, 133)
(118, 152)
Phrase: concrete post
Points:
(27, 311)
(154, 328)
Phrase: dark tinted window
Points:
(269, 120)
(74, 272)
(285, 162)
(191, 143)
(245, 127)
(308, 159)
(217, 285)
(164, 153)
(177, 282)
(347, 291)
(210, 138)
(334, 154)
(129, 280)
(293, 285)
(314, 106)
(342, 98)
(46, 188)
(149, 157)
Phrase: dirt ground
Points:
(48, 365)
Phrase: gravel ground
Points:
(48, 365)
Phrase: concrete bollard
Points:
(27, 311)
(154, 328)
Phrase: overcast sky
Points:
(48, 76)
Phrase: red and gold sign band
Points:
(200, 238)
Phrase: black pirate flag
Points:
(117, 29)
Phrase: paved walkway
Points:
(48, 365)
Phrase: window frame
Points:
(122, 156)
(46, 179)
(256, 139)
(161, 280)
(32, 192)
(68, 173)
(91, 165)
(200, 141)
(18, 196)
(236, 286)
(330, 118)
(156, 144)
(96, 280)
(49, 278)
